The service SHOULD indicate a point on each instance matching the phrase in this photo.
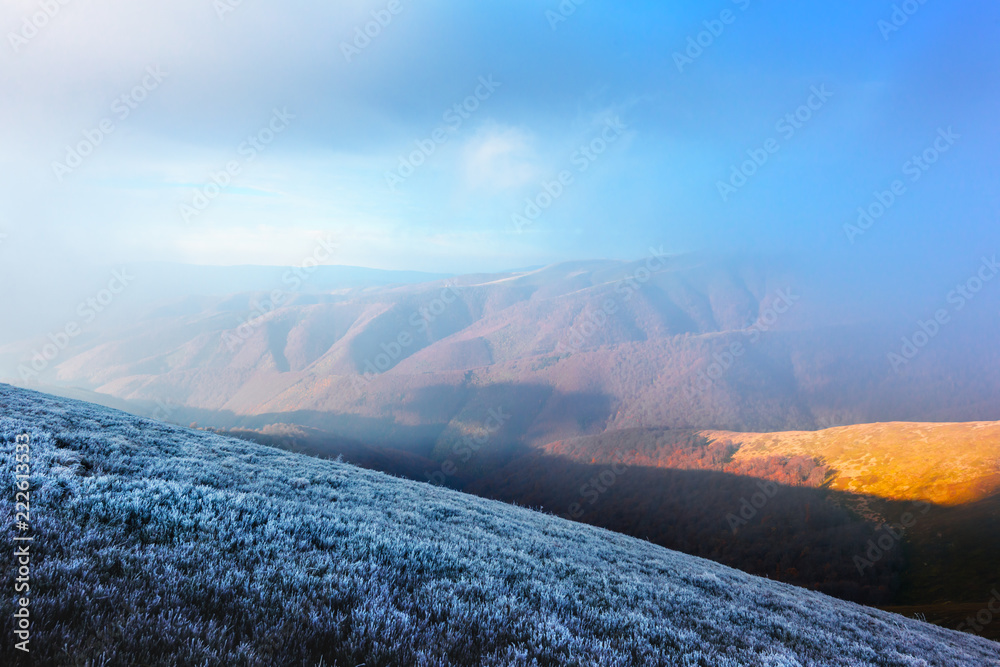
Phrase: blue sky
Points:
(348, 121)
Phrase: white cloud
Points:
(500, 158)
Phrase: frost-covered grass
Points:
(157, 545)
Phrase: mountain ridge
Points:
(692, 343)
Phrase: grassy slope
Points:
(161, 546)
(946, 464)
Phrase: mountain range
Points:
(568, 350)
(743, 410)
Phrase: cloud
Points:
(500, 158)
(354, 119)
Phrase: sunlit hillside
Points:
(946, 464)
(940, 463)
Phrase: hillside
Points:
(831, 492)
(160, 545)
(940, 463)
(945, 464)
(568, 350)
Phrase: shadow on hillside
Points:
(425, 417)
(804, 536)
(956, 555)
(313, 442)
(811, 537)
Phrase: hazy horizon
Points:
(185, 89)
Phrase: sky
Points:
(243, 131)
